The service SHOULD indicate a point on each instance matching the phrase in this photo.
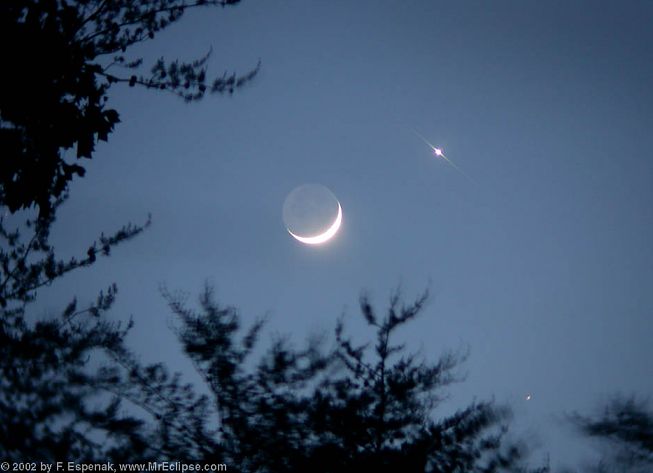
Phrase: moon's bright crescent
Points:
(322, 237)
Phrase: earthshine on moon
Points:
(312, 214)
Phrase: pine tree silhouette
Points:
(54, 87)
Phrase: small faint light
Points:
(529, 397)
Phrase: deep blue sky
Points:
(543, 266)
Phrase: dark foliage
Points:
(66, 382)
(58, 59)
(625, 429)
(62, 379)
(53, 404)
(311, 409)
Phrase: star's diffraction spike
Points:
(440, 154)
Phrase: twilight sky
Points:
(542, 265)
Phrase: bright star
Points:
(440, 154)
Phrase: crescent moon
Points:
(322, 237)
